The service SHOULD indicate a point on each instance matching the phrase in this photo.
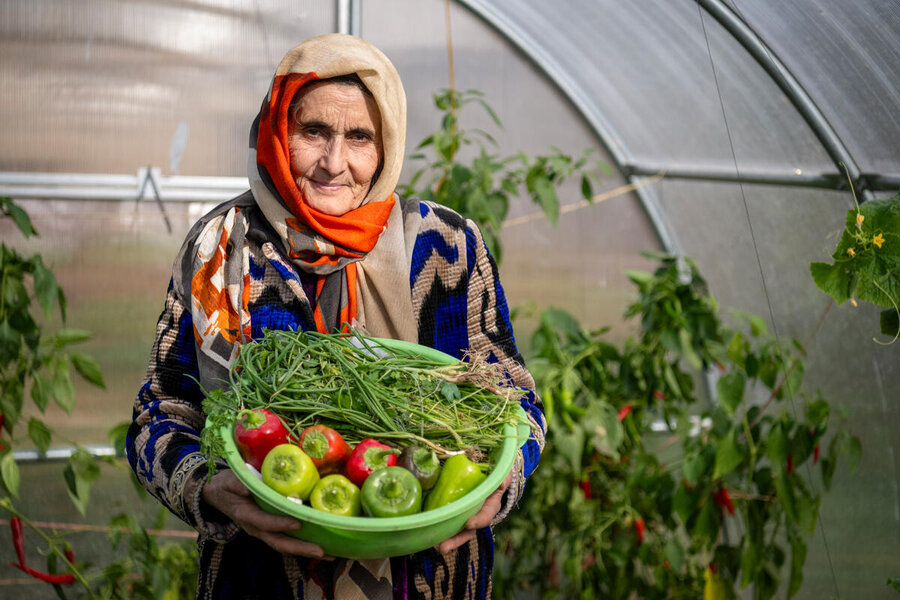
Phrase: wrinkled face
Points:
(334, 135)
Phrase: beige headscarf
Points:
(372, 262)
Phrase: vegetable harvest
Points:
(349, 383)
(348, 407)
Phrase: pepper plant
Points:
(645, 489)
(481, 189)
(39, 365)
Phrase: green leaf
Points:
(571, 447)
(835, 280)
(10, 342)
(40, 434)
(545, 194)
(751, 559)
(817, 412)
(798, 559)
(67, 336)
(40, 391)
(684, 502)
(117, 437)
(695, 466)
(706, 528)
(794, 379)
(730, 388)
(784, 490)
(587, 190)
(45, 287)
(89, 370)
(641, 278)
(687, 349)
(890, 322)
(19, 217)
(80, 474)
(450, 391)
(674, 553)
(63, 391)
(894, 582)
(9, 470)
(728, 455)
(601, 425)
(777, 446)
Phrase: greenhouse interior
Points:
(680, 177)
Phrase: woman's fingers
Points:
(226, 493)
(456, 541)
(482, 518)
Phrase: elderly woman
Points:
(321, 239)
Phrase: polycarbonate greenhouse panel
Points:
(658, 75)
(103, 86)
(580, 264)
(754, 245)
(847, 56)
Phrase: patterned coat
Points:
(459, 305)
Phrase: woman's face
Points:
(334, 136)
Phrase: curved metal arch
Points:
(609, 138)
(617, 150)
(785, 80)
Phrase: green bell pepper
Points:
(391, 492)
(337, 495)
(458, 477)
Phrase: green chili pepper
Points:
(459, 476)
(391, 492)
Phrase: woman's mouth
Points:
(327, 188)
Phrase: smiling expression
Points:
(334, 138)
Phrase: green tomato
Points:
(337, 495)
(289, 471)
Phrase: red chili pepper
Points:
(586, 488)
(713, 568)
(723, 499)
(623, 412)
(790, 464)
(15, 524)
(659, 395)
(639, 529)
(816, 454)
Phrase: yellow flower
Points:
(878, 240)
(851, 252)
(853, 302)
(859, 219)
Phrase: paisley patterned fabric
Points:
(458, 307)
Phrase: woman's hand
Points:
(228, 495)
(481, 519)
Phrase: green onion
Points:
(351, 383)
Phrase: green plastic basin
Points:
(368, 537)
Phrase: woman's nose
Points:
(334, 159)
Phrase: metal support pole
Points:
(348, 16)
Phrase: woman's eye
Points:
(360, 136)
